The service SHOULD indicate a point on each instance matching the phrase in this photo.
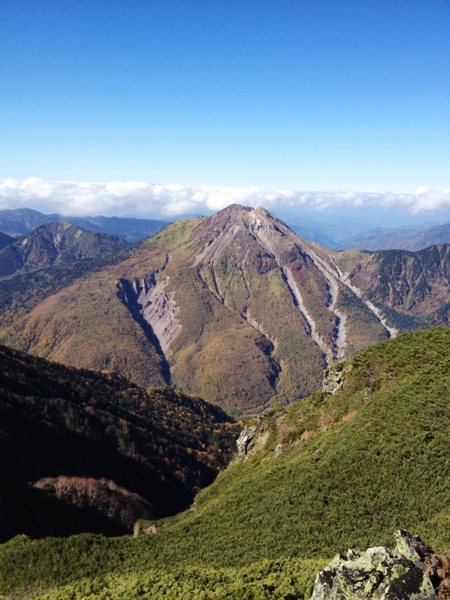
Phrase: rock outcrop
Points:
(334, 378)
(409, 572)
(251, 437)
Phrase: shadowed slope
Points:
(86, 451)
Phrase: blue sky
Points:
(303, 95)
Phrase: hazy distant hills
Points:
(406, 238)
(334, 234)
(21, 221)
(5, 240)
(56, 244)
(86, 451)
(235, 308)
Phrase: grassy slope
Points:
(376, 458)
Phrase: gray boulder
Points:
(379, 573)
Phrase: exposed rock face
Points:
(235, 308)
(254, 438)
(380, 573)
(334, 379)
(156, 306)
(248, 438)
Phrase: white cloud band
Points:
(170, 201)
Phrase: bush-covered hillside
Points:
(88, 441)
(355, 466)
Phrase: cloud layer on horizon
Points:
(170, 201)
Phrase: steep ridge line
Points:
(376, 311)
(265, 234)
(214, 292)
(315, 336)
(260, 225)
(256, 325)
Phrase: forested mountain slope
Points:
(88, 451)
(5, 240)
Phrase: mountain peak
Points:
(237, 214)
(243, 231)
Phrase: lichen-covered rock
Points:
(378, 574)
(334, 378)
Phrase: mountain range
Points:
(336, 231)
(22, 221)
(405, 238)
(346, 416)
(56, 243)
(235, 308)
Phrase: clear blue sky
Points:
(301, 94)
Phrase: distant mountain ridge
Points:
(56, 243)
(5, 240)
(235, 308)
(22, 221)
(405, 238)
